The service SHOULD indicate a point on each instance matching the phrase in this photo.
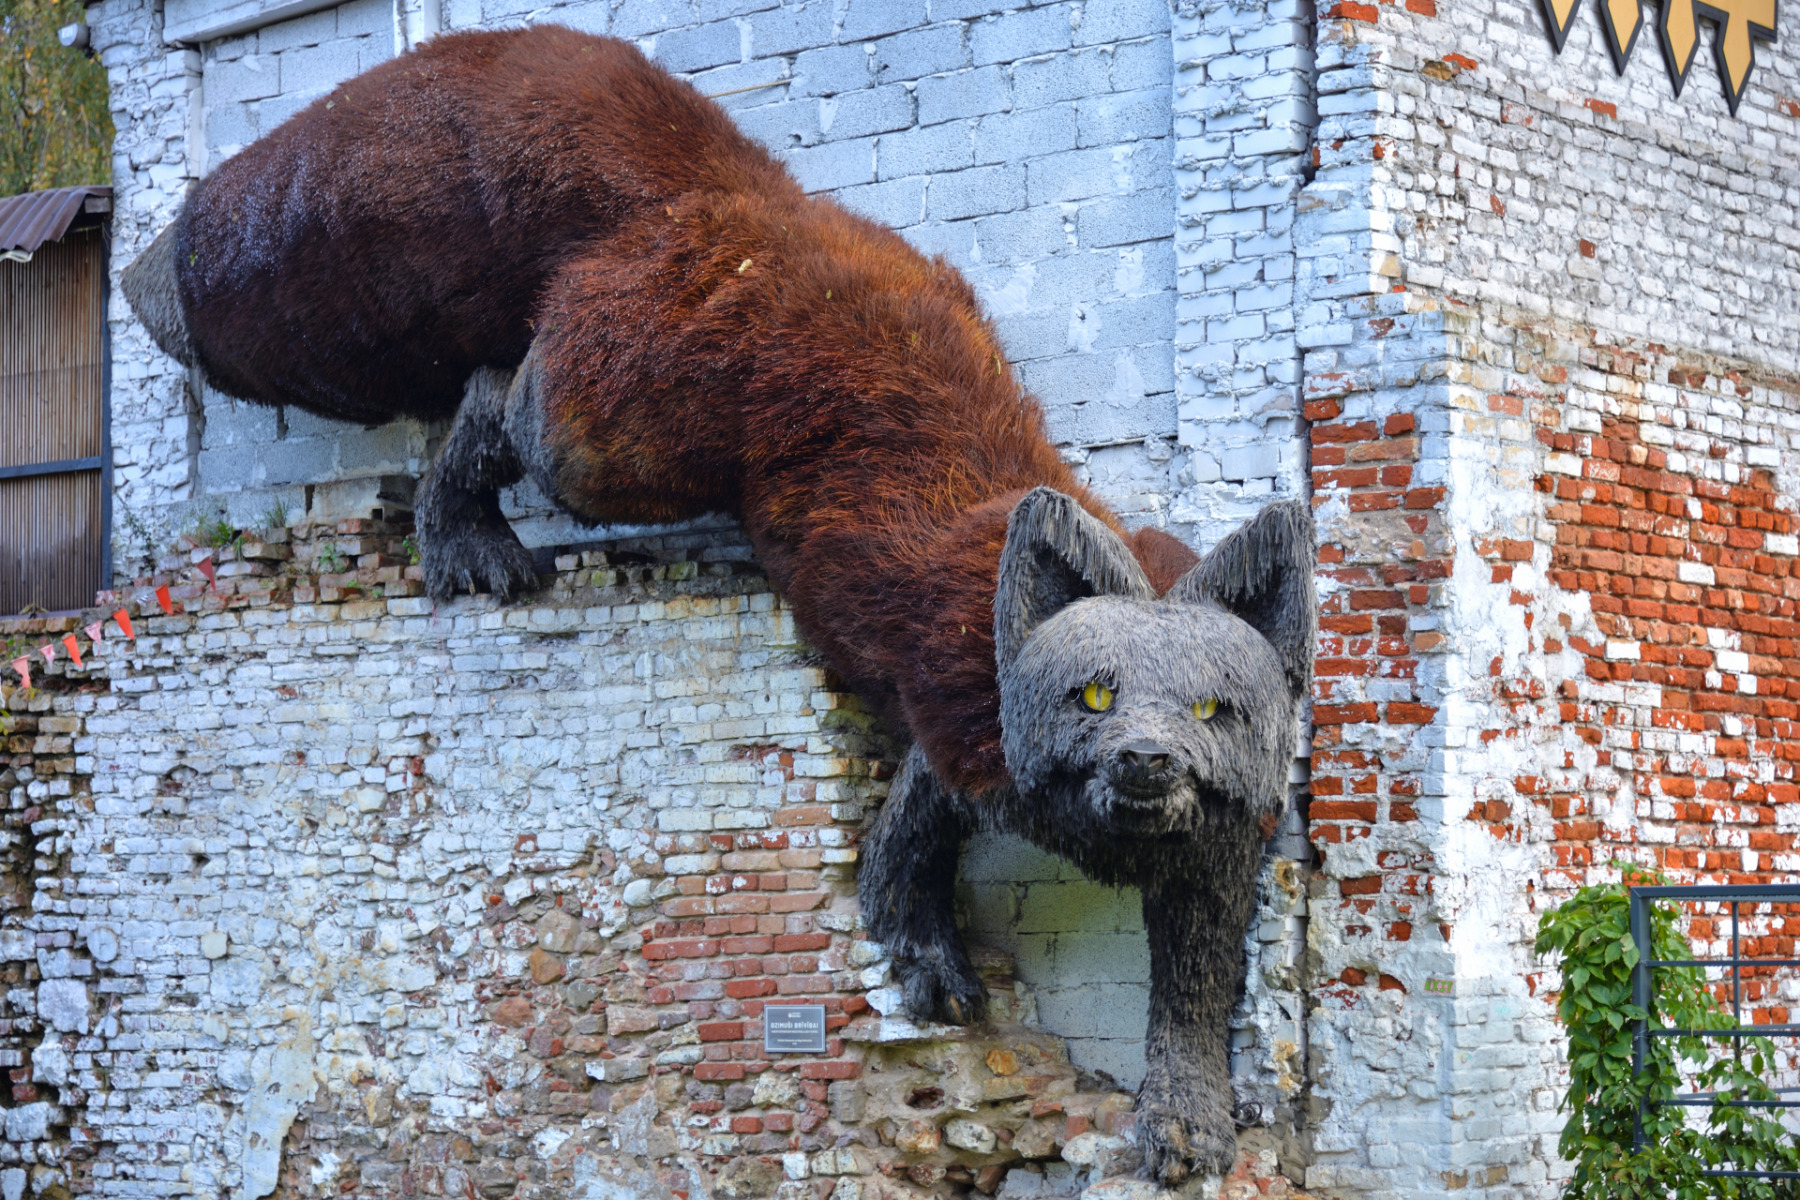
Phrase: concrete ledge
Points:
(194, 21)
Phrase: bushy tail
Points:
(151, 289)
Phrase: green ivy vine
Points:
(1591, 934)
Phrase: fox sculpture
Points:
(617, 294)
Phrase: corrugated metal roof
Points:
(28, 221)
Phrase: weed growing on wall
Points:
(1591, 934)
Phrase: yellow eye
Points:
(1204, 709)
(1097, 696)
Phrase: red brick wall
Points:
(1662, 719)
(1380, 565)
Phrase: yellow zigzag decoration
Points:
(1738, 25)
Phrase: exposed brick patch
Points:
(1685, 550)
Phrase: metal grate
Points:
(1732, 895)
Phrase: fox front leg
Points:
(1196, 921)
(907, 880)
(465, 542)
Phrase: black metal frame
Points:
(1734, 895)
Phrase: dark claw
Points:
(1176, 1144)
(486, 557)
(951, 994)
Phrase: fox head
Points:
(1128, 715)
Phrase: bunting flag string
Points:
(96, 632)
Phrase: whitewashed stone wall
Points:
(157, 112)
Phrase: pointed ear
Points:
(1056, 553)
(1263, 573)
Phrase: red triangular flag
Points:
(162, 598)
(94, 631)
(73, 647)
(49, 653)
(23, 667)
(124, 620)
(206, 569)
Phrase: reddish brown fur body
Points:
(391, 237)
(708, 338)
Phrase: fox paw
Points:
(950, 993)
(483, 557)
(1176, 1144)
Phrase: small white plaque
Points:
(794, 1029)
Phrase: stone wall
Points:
(317, 888)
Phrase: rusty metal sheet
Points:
(50, 541)
(28, 221)
(51, 351)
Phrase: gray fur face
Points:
(1150, 763)
(1190, 719)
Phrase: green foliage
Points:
(410, 548)
(1591, 934)
(140, 536)
(214, 531)
(331, 560)
(55, 125)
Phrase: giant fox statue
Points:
(622, 297)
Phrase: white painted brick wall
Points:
(1243, 125)
(1462, 167)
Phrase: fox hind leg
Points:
(465, 541)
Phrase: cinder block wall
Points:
(1029, 145)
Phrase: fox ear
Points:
(1056, 553)
(1263, 573)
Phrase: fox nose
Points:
(1143, 759)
